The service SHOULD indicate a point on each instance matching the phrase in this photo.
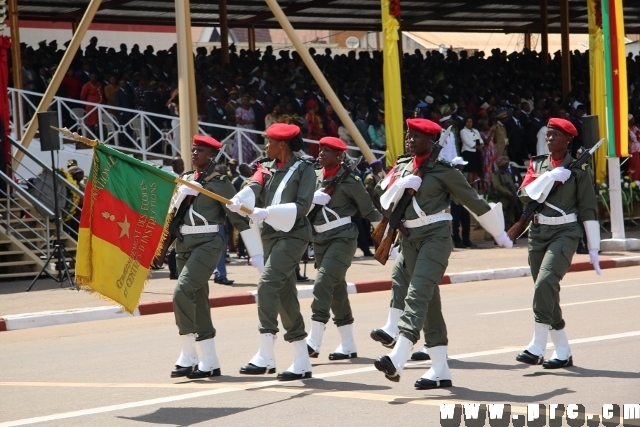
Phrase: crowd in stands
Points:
(507, 97)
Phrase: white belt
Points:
(332, 224)
(198, 229)
(556, 220)
(426, 220)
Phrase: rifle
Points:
(534, 207)
(393, 224)
(177, 220)
(344, 173)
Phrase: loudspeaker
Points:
(590, 131)
(49, 138)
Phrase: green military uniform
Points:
(551, 247)
(334, 248)
(427, 248)
(197, 256)
(505, 189)
(283, 250)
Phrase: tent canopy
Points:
(506, 16)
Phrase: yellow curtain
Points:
(392, 87)
(598, 94)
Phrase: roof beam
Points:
(72, 16)
(290, 10)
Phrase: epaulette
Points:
(356, 177)
(404, 158)
(445, 163)
(187, 173)
(540, 157)
(223, 177)
(307, 161)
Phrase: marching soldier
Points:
(427, 248)
(284, 186)
(196, 256)
(334, 247)
(554, 236)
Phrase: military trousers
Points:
(400, 279)
(277, 293)
(551, 249)
(426, 260)
(196, 256)
(332, 259)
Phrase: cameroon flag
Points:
(124, 218)
(615, 78)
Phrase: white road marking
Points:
(599, 283)
(260, 385)
(563, 305)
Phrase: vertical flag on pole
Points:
(615, 78)
(391, 77)
(598, 94)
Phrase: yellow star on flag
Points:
(615, 72)
(124, 227)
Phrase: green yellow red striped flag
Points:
(598, 91)
(124, 219)
(615, 78)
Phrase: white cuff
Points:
(492, 221)
(247, 197)
(282, 217)
(539, 189)
(391, 196)
(592, 229)
(252, 239)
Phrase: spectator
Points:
(471, 150)
(315, 130)
(634, 149)
(245, 119)
(92, 91)
(376, 131)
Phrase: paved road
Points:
(116, 372)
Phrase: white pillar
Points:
(615, 198)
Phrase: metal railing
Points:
(34, 232)
(39, 184)
(147, 136)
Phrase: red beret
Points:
(333, 142)
(564, 125)
(424, 126)
(282, 131)
(208, 141)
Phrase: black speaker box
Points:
(590, 131)
(49, 138)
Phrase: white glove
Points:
(257, 261)
(235, 205)
(393, 253)
(259, 214)
(321, 198)
(595, 260)
(186, 191)
(560, 174)
(409, 181)
(504, 240)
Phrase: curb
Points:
(62, 317)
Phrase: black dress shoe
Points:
(427, 384)
(384, 364)
(290, 376)
(182, 371)
(173, 277)
(342, 356)
(419, 355)
(312, 352)
(302, 279)
(383, 338)
(197, 374)
(582, 250)
(469, 244)
(252, 369)
(557, 363)
(529, 358)
(223, 281)
(459, 245)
